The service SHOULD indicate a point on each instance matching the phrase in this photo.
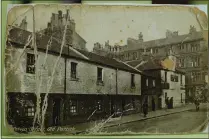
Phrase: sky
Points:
(113, 23)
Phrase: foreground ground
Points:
(174, 123)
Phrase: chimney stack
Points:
(140, 37)
(23, 24)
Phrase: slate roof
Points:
(20, 37)
(165, 41)
(106, 61)
(150, 64)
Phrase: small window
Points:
(181, 80)
(165, 76)
(73, 107)
(165, 95)
(99, 75)
(181, 98)
(99, 105)
(132, 80)
(147, 82)
(30, 111)
(73, 70)
(30, 63)
(153, 83)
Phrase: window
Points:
(99, 75)
(134, 55)
(181, 98)
(30, 63)
(174, 78)
(30, 111)
(181, 62)
(165, 76)
(165, 95)
(73, 70)
(99, 105)
(181, 79)
(147, 82)
(153, 83)
(73, 107)
(132, 80)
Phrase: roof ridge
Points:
(79, 53)
(128, 65)
(143, 62)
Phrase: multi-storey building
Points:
(108, 50)
(55, 28)
(190, 49)
(85, 86)
(168, 83)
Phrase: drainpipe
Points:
(65, 75)
(116, 81)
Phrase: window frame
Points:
(29, 113)
(73, 70)
(99, 105)
(99, 71)
(31, 62)
(73, 107)
(133, 81)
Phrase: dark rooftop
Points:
(166, 41)
(20, 38)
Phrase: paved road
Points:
(175, 123)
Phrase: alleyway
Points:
(179, 123)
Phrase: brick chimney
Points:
(60, 18)
(23, 24)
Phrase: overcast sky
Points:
(116, 24)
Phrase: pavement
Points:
(111, 122)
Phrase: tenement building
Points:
(84, 86)
(108, 50)
(56, 26)
(190, 50)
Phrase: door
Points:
(56, 111)
(159, 103)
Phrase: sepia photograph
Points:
(106, 69)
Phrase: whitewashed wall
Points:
(174, 90)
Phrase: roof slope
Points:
(20, 37)
(107, 61)
(150, 63)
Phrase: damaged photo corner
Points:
(87, 70)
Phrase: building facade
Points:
(191, 51)
(169, 83)
(84, 86)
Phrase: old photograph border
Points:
(5, 133)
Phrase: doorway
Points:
(56, 111)
(160, 103)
